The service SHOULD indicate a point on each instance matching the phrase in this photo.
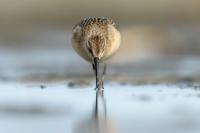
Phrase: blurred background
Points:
(160, 39)
(38, 67)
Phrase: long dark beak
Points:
(96, 63)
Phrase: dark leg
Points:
(99, 82)
(96, 65)
(103, 75)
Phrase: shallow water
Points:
(43, 89)
(130, 108)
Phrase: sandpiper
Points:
(96, 39)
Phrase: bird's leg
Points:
(103, 76)
(99, 82)
(96, 66)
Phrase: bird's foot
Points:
(100, 87)
(100, 91)
(100, 84)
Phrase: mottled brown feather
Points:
(95, 37)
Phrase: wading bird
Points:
(96, 40)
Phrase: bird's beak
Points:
(96, 63)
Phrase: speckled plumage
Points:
(96, 37)
(100, 21)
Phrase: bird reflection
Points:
(99, 122)
(100, 102)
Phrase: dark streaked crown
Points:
(96, 20)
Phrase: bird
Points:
(96, 39)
